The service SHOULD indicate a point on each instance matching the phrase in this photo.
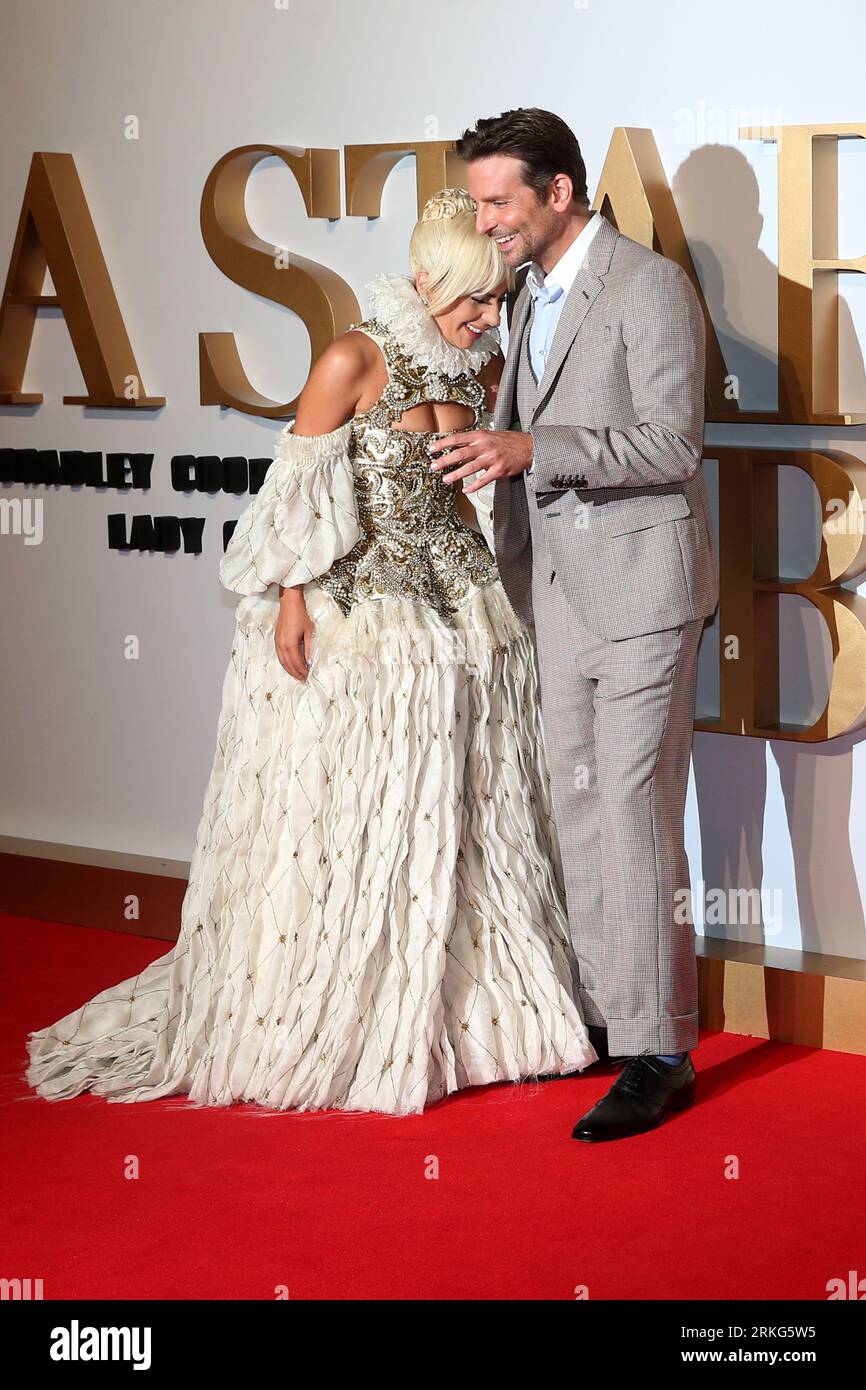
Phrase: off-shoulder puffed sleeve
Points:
(303, 518)
(482, 500)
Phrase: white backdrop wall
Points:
(111, 754)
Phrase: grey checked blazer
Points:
(617, 424)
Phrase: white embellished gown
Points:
(375, 912)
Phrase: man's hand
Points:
(500, 453)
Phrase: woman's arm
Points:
(334, 387)
(467, 507)
(490, 377)
(476, 508)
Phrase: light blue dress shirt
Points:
(549, 294)
(549, 298)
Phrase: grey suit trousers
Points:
(618, 719)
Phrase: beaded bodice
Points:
(414, 544)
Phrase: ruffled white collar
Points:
(396, 303)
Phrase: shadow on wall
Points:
(718, 199)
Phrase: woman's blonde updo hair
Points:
(458, 260)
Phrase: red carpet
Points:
(235, 1203)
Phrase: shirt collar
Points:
(560, 277)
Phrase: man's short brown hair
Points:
(542, 141)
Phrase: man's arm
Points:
(663, 329)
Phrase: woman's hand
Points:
(293, 634)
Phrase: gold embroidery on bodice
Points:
(414, 545)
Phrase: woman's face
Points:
(464, 322)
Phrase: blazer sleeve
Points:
(663, 332)
(303, 518)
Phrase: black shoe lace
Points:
(632, 1075)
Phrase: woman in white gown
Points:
(375, 913)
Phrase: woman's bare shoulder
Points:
(338, 379)
(352, 351)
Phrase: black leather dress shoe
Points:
(644, 1093)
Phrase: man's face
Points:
(508, 210)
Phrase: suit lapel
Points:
(504, 413)
(586, 287)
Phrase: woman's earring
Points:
(425, 300)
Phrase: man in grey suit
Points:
(604, 544)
